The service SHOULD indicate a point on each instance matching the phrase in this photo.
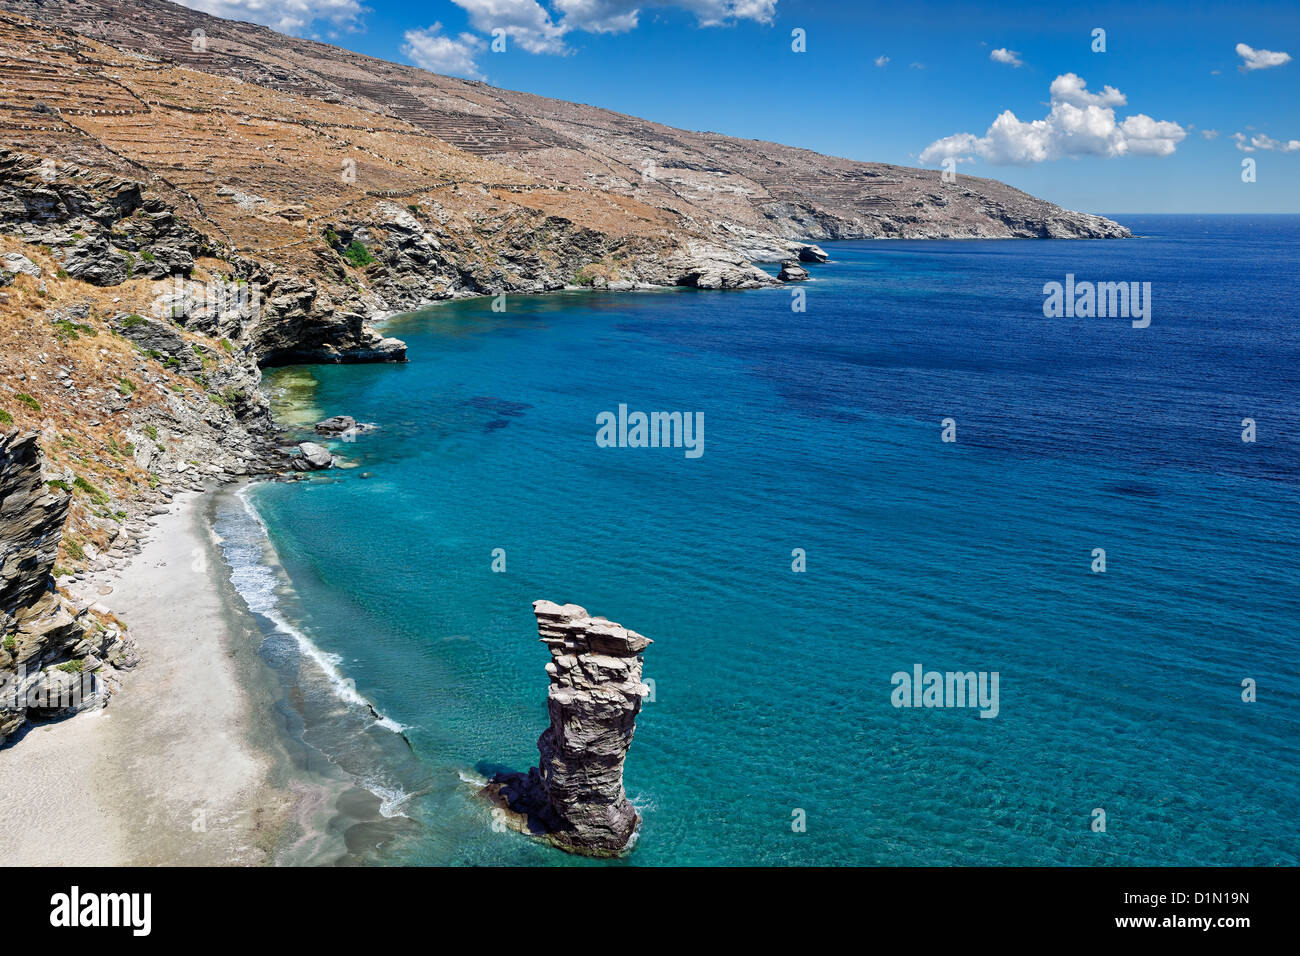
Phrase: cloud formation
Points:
(287, 16)
(1259, 59)
(882, 60)
(1080, 123)
(1009, 57)
(1262, 141)
(527, 23)
(433, 50)
(537, 28)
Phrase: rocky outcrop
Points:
(105, 230)
(791, 271)
(312, 457)
(574, 797)
(336, 425)
(159, 340)
(55, 658)
(17, 264)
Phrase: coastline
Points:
(181, 767)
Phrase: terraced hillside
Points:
(732, 190)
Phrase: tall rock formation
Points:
(52, 654)
(574, 798)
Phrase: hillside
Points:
(176, 216)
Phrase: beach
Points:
(180, 768)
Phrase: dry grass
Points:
(80, 433)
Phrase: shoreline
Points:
(102, 787)
(182, 767)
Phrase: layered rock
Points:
(105, 230)
(55, 658)
(574, 798)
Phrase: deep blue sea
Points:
(1119, 691)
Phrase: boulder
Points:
(791, 271)
(161, 338)
(93, 259)
(18, 263)
(336, 425)
(311, 457)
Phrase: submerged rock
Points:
(336, 425)
(574, 798)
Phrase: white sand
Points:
(168, 772)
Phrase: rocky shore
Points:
(184, 766)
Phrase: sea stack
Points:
(574, 798)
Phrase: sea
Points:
(904, 466)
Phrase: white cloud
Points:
(1070, 88)
(599, 16)
(433, 50)
(1010, 57)
(1210, 133)
(527, 23)
(1266, 142)
(287, 16)
(882, 60)
(1259, 59)
(1080, 123)
(541, 29)
(713, 13)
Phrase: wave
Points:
(390, 798)
(473, 779)
(253, 573)
(258, 584)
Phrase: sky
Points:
(1155, 114)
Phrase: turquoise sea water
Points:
(1120, 691)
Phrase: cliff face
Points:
(574, 797)
(55, 658)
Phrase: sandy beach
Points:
(176, 769)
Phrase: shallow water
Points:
(1120, 691)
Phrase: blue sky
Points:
(1159, 122)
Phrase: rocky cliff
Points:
(574, 797)
(56, 658)
(292, 151)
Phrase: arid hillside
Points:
(722, 186)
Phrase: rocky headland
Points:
(574, 797)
